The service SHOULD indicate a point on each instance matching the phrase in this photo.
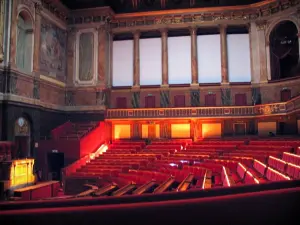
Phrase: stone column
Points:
(136, 62)
(37, 39)
(194, 55)
(2, 5)
(13, 34)
(101, 57)
(224, 64)
(261, 37)
(164, 42)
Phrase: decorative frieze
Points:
(135, 99)
(226, 96)
(203, 112)
(69, 98)
(57, 11)
(242, 14)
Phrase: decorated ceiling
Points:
(127, 6)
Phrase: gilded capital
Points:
(261, 25)
(193, 30)
(136, 34)
(164, 32)
(38, 8)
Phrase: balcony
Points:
(273, 109)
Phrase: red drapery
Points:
(150, 102)
(285, 95)
(179, 101)
(121, 103)
(210, 100)
(240, 99)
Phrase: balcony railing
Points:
(207, 112)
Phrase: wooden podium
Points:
(17, 173)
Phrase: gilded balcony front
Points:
(274, 109)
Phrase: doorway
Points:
(22, 147)
(56, 161)
(239, 129)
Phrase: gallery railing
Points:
(204, 112)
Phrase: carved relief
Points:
(135, 99)
(101, 98)
(36, 89)
(226, 96)
(13, 85)
(69, 98)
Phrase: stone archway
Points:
(284, 50)
(22, 134)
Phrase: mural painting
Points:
(53, 50)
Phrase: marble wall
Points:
(53, 50)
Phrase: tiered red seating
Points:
(211, 146)
(225, 177)
(292, 143)
(250, 179)
(293, 170)
(291, 158)
(265, 147)
(198, 172)
(274, 175)
(277, 164)
(260, 167)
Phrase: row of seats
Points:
(291, 158)
(268, 172)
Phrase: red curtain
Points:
(121, 103)
(210, 100)
(150, 102)
(286, 95)
(179, 101)
(240, 99)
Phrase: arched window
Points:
(284, 51)
(24, 42)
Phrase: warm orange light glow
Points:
(21, 172)
(103, 148)
(180, 130)
(211, 130)
(157, 131)
(122, 131)
(265, 127)
(145, 128)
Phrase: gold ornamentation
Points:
(38, 8)
(261, 25)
